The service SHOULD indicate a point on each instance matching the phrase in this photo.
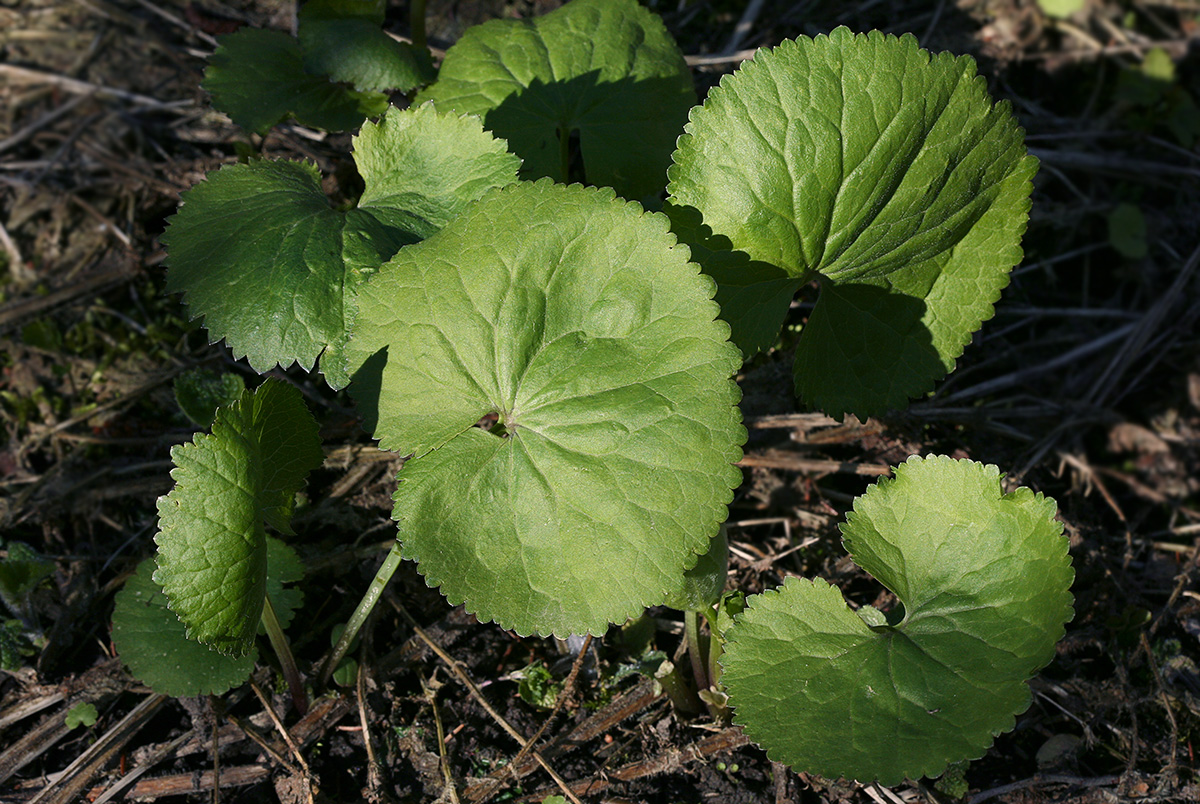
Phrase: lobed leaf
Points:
(257, 77)
(887, 174)
(212, 542)
(607, 70)
(577, 320)
(257, 250)
(983, 580)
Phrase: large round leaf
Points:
(605, 69)
(884, 172)
(577, 320)
(983, 579)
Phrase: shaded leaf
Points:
(607, 70)
(257, 77)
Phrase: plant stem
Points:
(287, 661)
(365, 606)
(416, 23)
(695, 649)
(716, 646)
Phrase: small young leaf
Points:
(1127, 231)
(257, 250)
(212, 543)
(81, 714)
(983, 578)
(885, 172)
(576, 319)
(257, 78)
(607, 69)
(152, 643)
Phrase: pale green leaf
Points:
(257, 77)
(606, 70)
(576, 319)
(884, 172)
(257, 250)
(212, 542)
(982, 578)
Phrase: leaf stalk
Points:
(287, 661)
(365, 607)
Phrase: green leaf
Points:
(257, 78)
(199, 392)
(983, 579)
(342, 39)
(1127, 231)
(257, 250)
(1061, 8)
(576, 319)
(152, 643)
(607, 70)
(212, 542)
(20, 573)
(81, 714)
(537, 687)
(704, 583)
(884, 172)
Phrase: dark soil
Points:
(1085, 386)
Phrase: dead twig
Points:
(24, 75)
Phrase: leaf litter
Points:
(1083, 387)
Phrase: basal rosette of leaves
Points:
(983, 580)
(258, 251)
(577, 319)
(887, 174)
(607, 70)
(229, 485)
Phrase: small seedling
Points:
(585, 326)
(81, 714)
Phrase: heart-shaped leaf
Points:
(884, 172)
(578, 321)
(983, 580)
(212, 541)
(605, 69)
(257, 250)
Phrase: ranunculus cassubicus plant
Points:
(470, 280)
